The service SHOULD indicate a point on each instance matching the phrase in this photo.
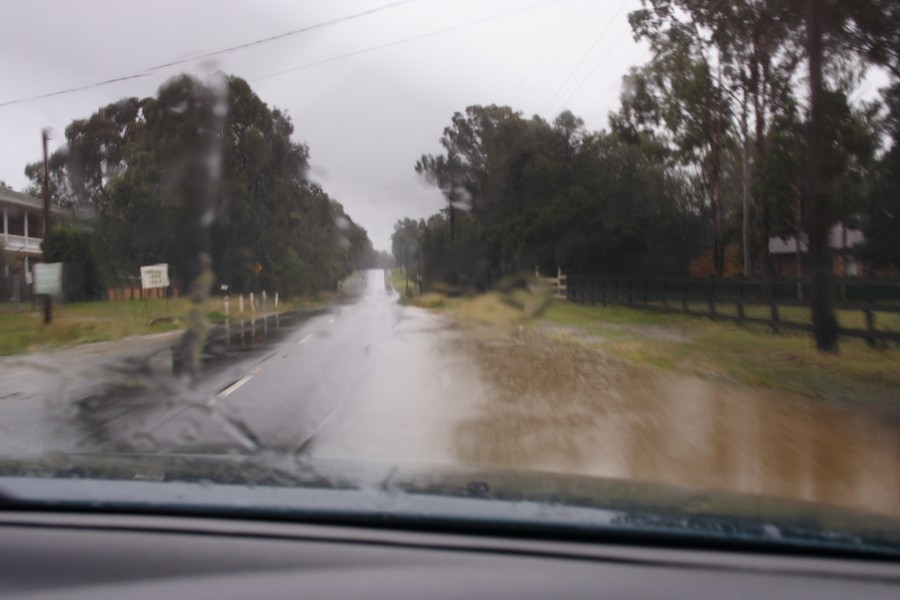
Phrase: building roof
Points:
(10, 197)
(836, 241)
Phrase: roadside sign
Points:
(155, 276)
(257, 268)
(48, 279)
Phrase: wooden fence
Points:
(779, 303)
(558, 284)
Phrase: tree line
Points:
(742, 125)
(202, 176)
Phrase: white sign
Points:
(155, 276)
(48, 279)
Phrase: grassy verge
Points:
(88, 322)
(410, 296)
(751, 355)
(850, 319)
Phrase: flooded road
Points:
(373, 381)
(564, 407)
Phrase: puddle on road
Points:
(565, 408)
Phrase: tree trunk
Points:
(824, 322)
(452, 221)
(715, 165)
(745, 196)
(757, 90)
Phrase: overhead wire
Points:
(559, 51)
(596, 65)
(584, 57)
(230, 50)
(609, 104)
(715, 7)
(542, 52)
(403, 41)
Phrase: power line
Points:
(230, 50)
(647, 54)
(584, 56)
(558, 52)
(594, 66)
(404, 41)
(586, 78)
(543, 50)
(600, 99)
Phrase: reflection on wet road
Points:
(367, 381)
(375, 381)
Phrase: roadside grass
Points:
(849, 319)
(412, 297)
(88, 322)
(397, 279)
(752, 355)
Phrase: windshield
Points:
(648, 246)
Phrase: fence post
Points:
(630, 291)
(870, 316)
(684, 297)
(665, 295)
(603, 290)
(773, 305)
(646, 290)
(870, 327)
(740, 303)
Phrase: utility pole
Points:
(825, 328)
(48, 301)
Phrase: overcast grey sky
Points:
(366, 118)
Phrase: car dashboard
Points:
(105, 555)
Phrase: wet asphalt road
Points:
(372, 381)
(368, 378)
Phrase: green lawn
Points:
(752, 355)
(850, 319)
(87, 322)
(411, 296)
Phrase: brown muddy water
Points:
(561, 407)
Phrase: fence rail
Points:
(558, 284)
(778, 303)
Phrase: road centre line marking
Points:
(305, 338)
(234, 386)
(330, 321)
